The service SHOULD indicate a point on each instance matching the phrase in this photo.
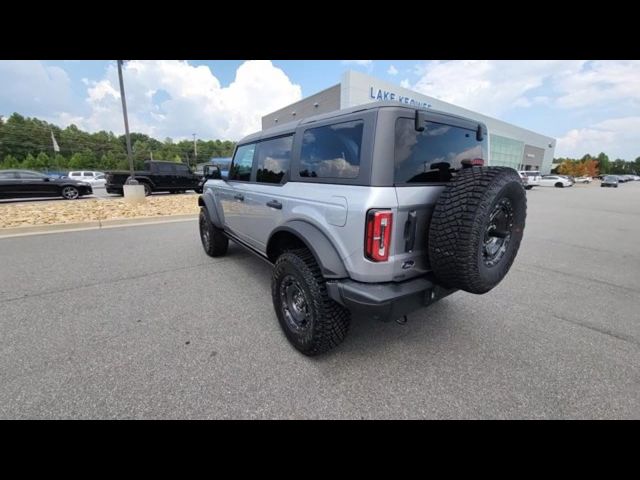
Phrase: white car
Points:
(531, 178)
(555, 181)
(583, 179)
(88, 176)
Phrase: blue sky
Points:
(589, 106)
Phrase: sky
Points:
(588, 106)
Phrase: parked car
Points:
(157, 176)
(531, 178)
(84, 176)
(347, 230)
(609, 181)
(99, 182)
(583, 179)
(558, 181)
(26, 183)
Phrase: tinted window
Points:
(166, 168)
(419, 154)
(7, 175)
(332, 151)
(88, 174)
(74, 174)
(29, 175)
(273, 159)
(242, 163)
(182, 169)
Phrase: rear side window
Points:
(273, 157)
(242, 163)
(166, 168)
(419, 156)
(332, 151)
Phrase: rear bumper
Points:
(386, 301)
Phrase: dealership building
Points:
(509, 145)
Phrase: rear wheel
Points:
(476, 228)
(147, 189)
(311, 321)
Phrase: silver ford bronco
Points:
(377, 210)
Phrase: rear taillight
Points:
(378, 235)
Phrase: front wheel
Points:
(559, 185)
(214, 241)
(70, 193)
(311, 321)
(147, 189)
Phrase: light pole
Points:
(195, 151)
(131, 180)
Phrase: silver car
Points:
(377, 210)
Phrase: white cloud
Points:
(600, 82)
(392, 70)
(617, 137)
(495, 86)
(193, 99)
(31, 88)
(405, 83)
(489, 86)
(361, 63)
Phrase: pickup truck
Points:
(157, 176)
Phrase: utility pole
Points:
(131, 180)
(195, 151)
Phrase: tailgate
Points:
(411, 223)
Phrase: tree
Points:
(603, 162)
(10, 162)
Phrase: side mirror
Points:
(211, 172)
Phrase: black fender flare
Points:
(325, 254)
(207, 201)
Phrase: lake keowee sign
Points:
(381, 95)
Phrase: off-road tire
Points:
(147, 189)
(460, 222)
(329, 321)
(214, 241)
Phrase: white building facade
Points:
(509, 145)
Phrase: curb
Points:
(93, 225)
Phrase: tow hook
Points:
(402, 321)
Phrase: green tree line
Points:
(26, 143)
(602, 162)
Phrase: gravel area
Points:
(65, 211)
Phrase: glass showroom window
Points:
(506, 152)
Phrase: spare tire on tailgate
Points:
(476, 228)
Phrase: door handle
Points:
(239, 196)
(274, 204)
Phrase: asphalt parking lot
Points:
(138, 322)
